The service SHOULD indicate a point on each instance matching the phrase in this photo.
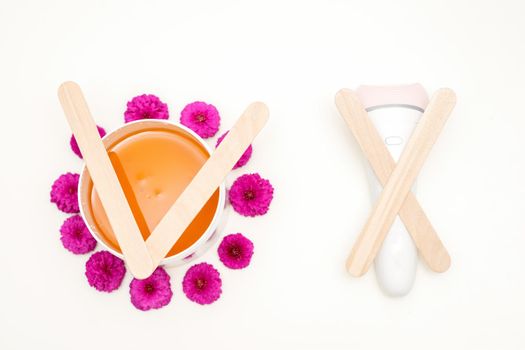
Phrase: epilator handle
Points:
(394, 111)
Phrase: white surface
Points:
(294, 56)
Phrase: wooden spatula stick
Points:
(423, 234)
(105, 180)
(398, 186)
(206, 182)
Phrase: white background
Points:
(294, 56)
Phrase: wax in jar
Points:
(154, 166)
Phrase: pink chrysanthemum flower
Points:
(245, 156)
(146, 107)
(105, 271)
(251, 195)
(75, 236)
(64, 192)
(202, 284)
(235, 251)
(153, 292)
(202, 118)
(74, 145)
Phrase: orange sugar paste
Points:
(154, 166)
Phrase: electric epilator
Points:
(394, 111)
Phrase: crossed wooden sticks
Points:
(397, 181)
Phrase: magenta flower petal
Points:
(235, 251)
(104, 271)
(145, 107)
(202, 284)
(202, 118)
(64, 193)
(74, 145)
(76, 237)
(251, 195)
(153, 292)
(245, 156)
